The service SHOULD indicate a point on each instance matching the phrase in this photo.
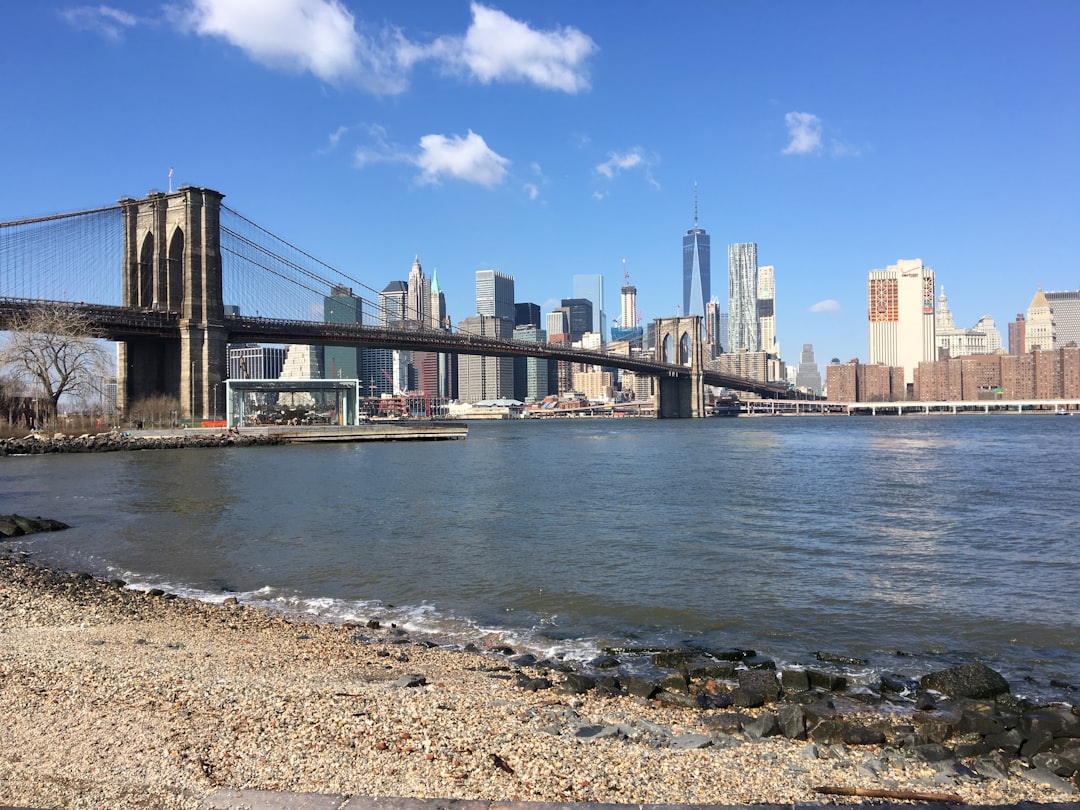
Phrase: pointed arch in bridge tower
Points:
(172, 262)
(678, 342)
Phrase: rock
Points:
(835, 658)
(531, 684)
(794, 680)
(936, 727)
(933, 752)
(792, 720)
(891, 682)
(604, 662)
(575, 684)
(759, 662)
(639, 687)
(673, 659)
(967, 680)
(686, 742)
(827, 681)
(756, 688)
(1047, 778)
(676, 683)
(1055, 722)
(410, 681)
(764, 725)
(675, 699)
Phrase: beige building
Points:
(1039, 331)
(597, 386)
(901, 314)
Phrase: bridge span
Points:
(173, 330)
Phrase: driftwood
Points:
(877, 793)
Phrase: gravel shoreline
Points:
(111, 697)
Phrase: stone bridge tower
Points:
(679, 342)
(172, 261)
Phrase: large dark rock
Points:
(967, 680)
(756, 688)
(1050, 721)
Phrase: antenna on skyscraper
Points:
(695, 205)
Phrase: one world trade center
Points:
(695, 264)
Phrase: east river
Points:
(912, 542)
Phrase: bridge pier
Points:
(172, 261)
(678, 342)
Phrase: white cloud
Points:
(105, 20)
(532, 190)
(500, 48)
(323, 37)
(804, 130)
(469, 159)
(828, 305)
(318, 36)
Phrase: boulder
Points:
(967, 680)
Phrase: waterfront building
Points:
(766, 310)
(418, 295)
(901, 314)
(743, 332)
(530, 373)
(597, 386)
(1017, 334)
(1039, 332)
(251, 361)
(808, 377)
(696, 267)
(865, 382)
(1065, 308)
(591, 288)
(481, 378)
(743, 363)
(495, 295)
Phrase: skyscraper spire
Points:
(695, 205)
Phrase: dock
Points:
(404, 431)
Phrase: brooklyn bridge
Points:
(174, 278)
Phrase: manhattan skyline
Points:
(560, 140)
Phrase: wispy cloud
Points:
(619, 162)
(828, 305)
(804, 130)
(807, 136)
(324, 38)
(110, 22)
(469, 159)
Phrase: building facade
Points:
(743, 332)
(1039, 333)
(808, 377)
(480, 377)
(341, 306)
(255, 362)
(901, 315)
(495, 295)
(591, 288)
(530, 373)
(1065, 307)
(766, 309)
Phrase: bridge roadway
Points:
(122, 323)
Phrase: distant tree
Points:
(54, 350)
(156, 411)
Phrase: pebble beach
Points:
(112, 697)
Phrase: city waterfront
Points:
(912, 543)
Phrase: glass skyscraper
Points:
(695, 268)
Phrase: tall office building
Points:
(254, 362)
(530, 373)
(341, 306)
(495, 294)
(1065, 307)
(808, 377)
(1039, 334)
(580, 313)
(766, 310)
(591, 287)
(418, 292)
(695, 267)
(743, 332)
(901, 313)
(628, 327)
(527, 314)
(481, 378)
(715, 321)
(438, 319)
(393, 303)
(1017, 329)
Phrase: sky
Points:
(556, 138)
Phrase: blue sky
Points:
(556, 138)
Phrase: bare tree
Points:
(55, 350)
